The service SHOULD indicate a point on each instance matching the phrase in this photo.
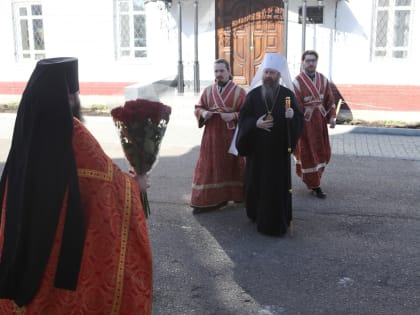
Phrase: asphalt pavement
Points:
(356, 252)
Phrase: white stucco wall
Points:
(206, 38)
(344, 45)
(85, 29)
(90, 36)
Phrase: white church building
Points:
(368, 48)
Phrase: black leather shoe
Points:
(319, 193)
(197, 210)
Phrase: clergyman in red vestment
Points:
(73, 236)
(313, 150)
(218, 175)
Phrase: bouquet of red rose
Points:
(142, 125)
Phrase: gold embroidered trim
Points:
(311, 169)
(107, 176)
(235, 98)
(219, 185)
(124, 238)
(20, 310)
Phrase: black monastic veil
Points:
(40, 170)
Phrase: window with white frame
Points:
(131, 29)
(392, 29)
(29, 30)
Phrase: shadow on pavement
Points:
(354, 253)
(192, 272)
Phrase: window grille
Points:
(392, 29)
(131, 29)
(29, 31)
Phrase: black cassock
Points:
(267, 178)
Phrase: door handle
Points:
(252, 41)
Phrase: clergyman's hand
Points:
(227, 116)
(206, 114)
(289, 113)
(264, 124)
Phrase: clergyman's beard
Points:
(270, 82)
(269, 89)
(221, 82)
(76, 109)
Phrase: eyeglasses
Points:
(310, 60)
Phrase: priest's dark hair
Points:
(310, 52)
(40, 180)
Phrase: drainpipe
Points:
(196, 65)
(180, 65)
(303, 25)
(286, 25)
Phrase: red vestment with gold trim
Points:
(218, 175)
(313, 150)
(116, 269)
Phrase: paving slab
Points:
(355, 252)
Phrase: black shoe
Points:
(197, 210)
(238, 204)
(319, 193)
(221, 205)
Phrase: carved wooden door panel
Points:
(246, 29)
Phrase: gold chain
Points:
(268, 116)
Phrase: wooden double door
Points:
(245, 31)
